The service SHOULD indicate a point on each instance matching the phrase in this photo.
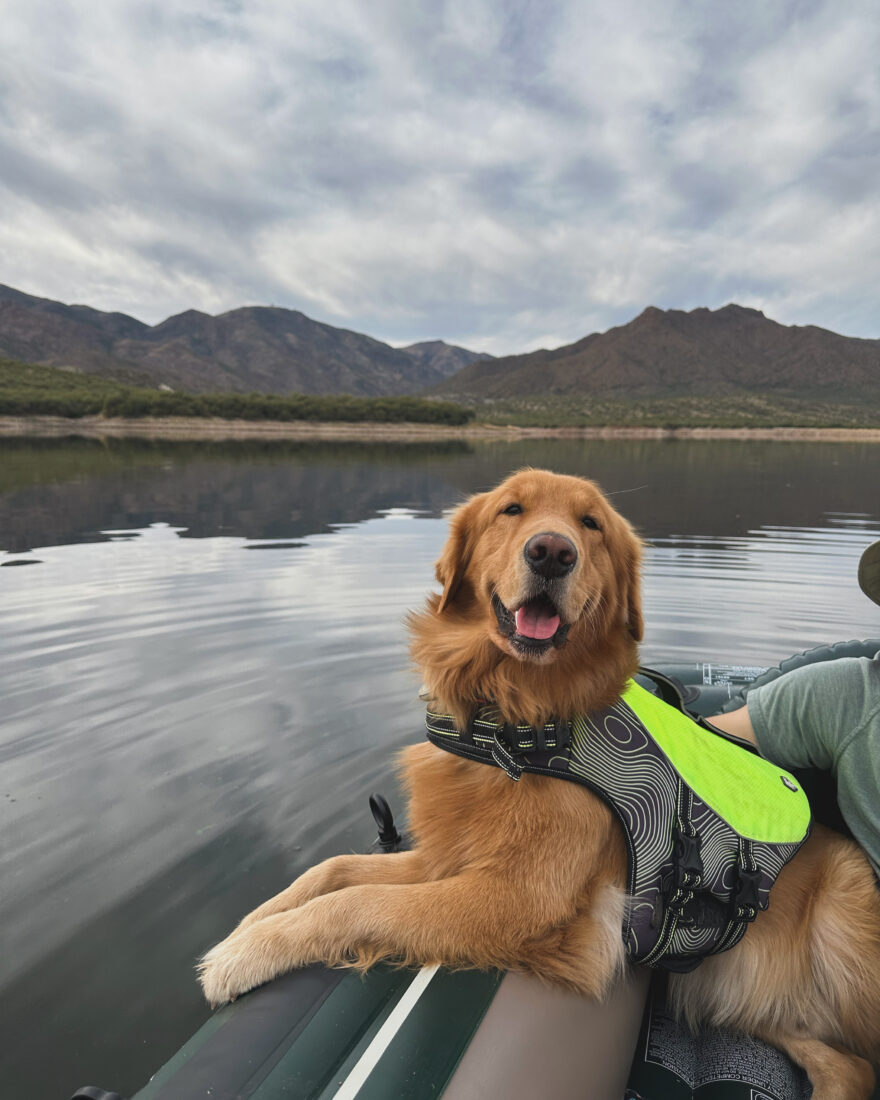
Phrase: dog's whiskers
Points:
(634, 489)
(593, 612)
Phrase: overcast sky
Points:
(502, 174)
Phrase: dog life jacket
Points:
(708, 823)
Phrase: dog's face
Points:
(538, 558)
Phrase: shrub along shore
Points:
(28, 390)
(48, 400)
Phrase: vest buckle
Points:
(746, 899)
(686, 859)
(563, 733)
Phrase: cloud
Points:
(504, 175)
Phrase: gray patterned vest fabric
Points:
(706, 837)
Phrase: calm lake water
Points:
(203, 674)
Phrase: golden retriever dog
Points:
(540, 613)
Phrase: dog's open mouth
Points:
(534, 627)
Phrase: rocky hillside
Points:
(671, 353)
(446, 358)
(255, 348)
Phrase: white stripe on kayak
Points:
(365, 1065)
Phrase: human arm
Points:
(806, 718)
(824, 716)
(737, 723)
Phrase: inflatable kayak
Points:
(393, 1034)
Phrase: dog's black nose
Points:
(550, 555)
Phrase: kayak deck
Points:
(320, 1033)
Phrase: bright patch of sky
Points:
(503, 175)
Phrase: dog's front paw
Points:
(269, 908)
(237, 964)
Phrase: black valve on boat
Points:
(389, 838)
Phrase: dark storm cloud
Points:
(500, 174)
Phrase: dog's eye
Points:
(588, 521)
(512, 510)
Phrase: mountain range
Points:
(252, 349)
(661, 353)
(672, 353)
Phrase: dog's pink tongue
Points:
(534, 622)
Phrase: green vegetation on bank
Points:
(739, 411)
(30, 390)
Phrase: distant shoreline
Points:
(195, 428)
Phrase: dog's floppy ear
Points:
(453, 562)
(633, 593)
(626, 551)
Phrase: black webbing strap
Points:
(745, 904)
(484, 729)
(505, 742)
(504, 758)
(686, 877)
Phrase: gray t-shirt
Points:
(827, 715)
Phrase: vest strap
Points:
(745, 903)
(504, 758)
(687, 874)
(504, 740)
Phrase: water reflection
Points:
(186, 724)
(774, 591)
(66, 491)
(57, 492)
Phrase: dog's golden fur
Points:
(531, 875)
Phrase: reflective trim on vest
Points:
(708, 825)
